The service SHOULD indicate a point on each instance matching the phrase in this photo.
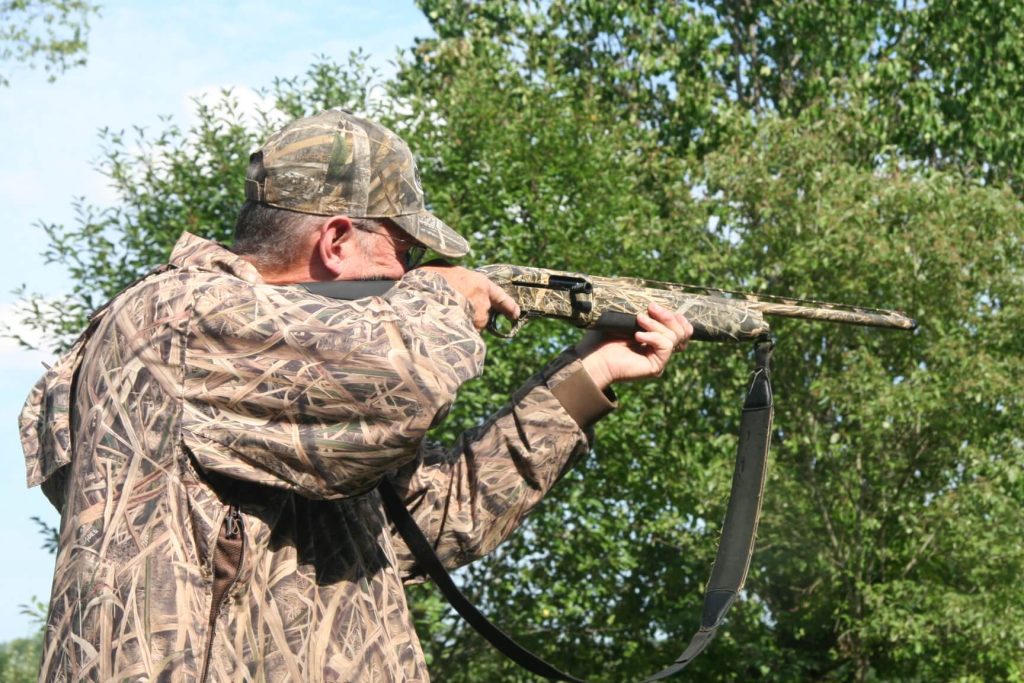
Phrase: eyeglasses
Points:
(414, 251)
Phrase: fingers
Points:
(682, 328)
(479, 296)
(662, 332)
(501, 301)
(664, 329)
(482, 294)
(655, 336)
(610, 359)
(487, 296)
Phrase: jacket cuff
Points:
(574, 388)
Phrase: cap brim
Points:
(431, 231)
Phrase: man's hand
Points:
(611, 360)
(481, 292)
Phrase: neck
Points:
(289, 274)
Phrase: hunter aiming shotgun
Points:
(610, 305)
(255, 443)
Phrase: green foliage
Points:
(930, 79)
(51, 32)
(848, 151)
(19, 659)
(328, 85)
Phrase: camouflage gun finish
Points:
(611, 304)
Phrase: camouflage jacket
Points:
(213, 443)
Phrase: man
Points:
(214, 439)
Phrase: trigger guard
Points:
(517, 325)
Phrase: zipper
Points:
(227, 561)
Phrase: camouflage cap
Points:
(336, 163)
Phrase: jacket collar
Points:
(192, 251)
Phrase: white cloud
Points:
(251, 103)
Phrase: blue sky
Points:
(147, 59)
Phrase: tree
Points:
(51, 32)
(752, 145)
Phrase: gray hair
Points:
(272, 238)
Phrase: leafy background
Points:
(865, 152)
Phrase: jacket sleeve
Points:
(469, 498)
(319, 396)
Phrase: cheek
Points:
(390, 264)
(387, 255)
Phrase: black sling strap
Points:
(348, 290)
(731, 563)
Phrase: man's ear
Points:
(334, 243)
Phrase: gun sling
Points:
(735, 549)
